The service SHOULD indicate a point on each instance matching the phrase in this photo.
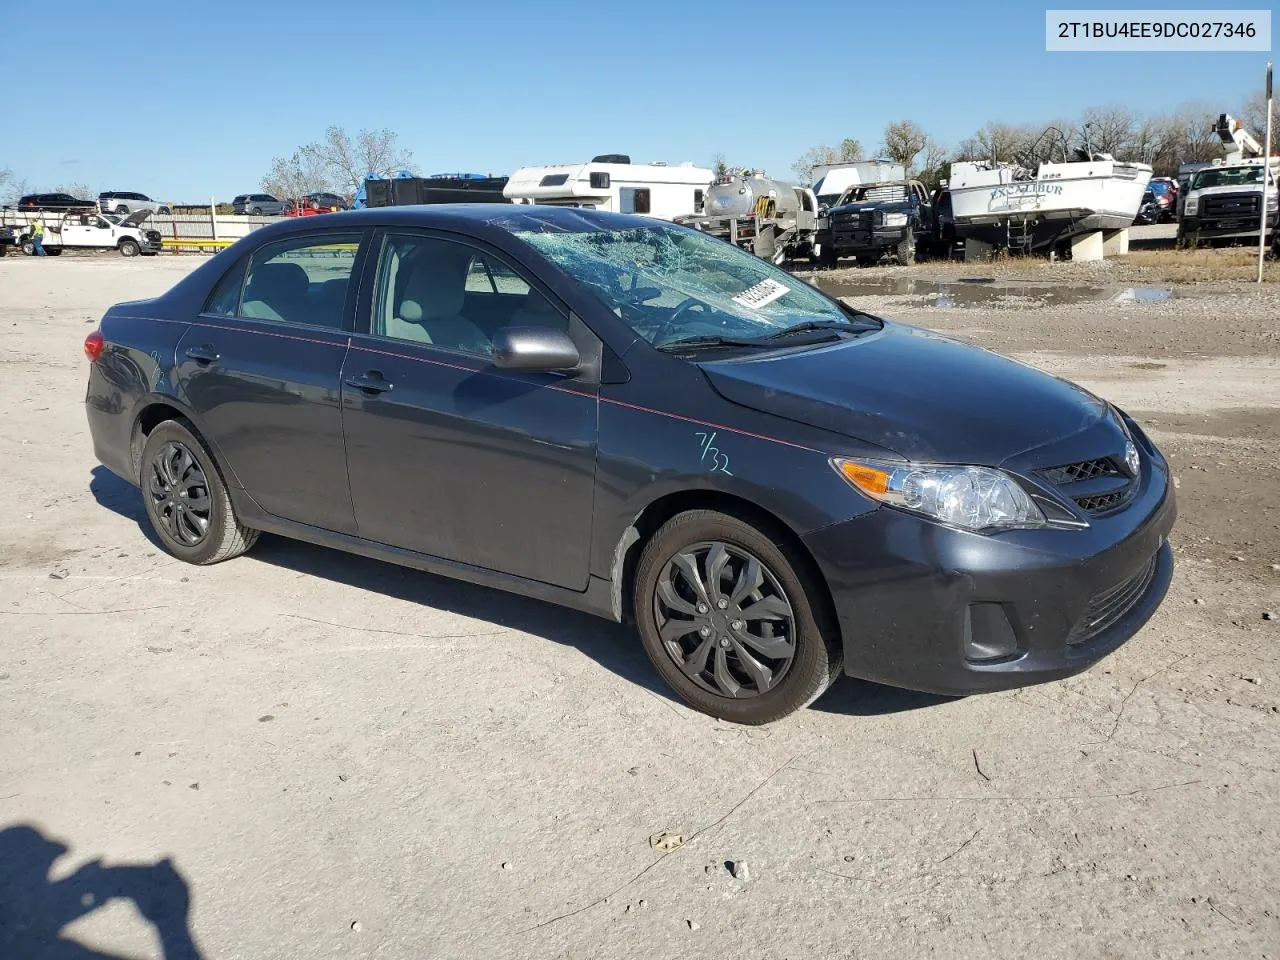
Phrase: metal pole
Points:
(1266, 178)
(213, 218)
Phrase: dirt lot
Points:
(346, 759)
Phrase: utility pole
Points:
(1267, 180)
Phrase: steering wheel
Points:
(685, 305)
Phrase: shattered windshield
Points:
(671, 284)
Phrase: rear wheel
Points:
(731, 619)
(29, 248)
(53, 251)
(256, 211)
(122, 210)
(827, 256)
(129, 248)
(186, 499)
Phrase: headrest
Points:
(435, 289)
(273, 280)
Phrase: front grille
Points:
(1231, 205)
(1096, 486)
(1107, 607)
(1085, 470)
(1102, 502)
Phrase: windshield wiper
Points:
(698, 343)
(809, 325)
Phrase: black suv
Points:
(873, 219)
(53, 201)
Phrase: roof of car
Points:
(501, 216)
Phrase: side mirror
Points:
(534, 348)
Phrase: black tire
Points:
(53, 252)
(28, 248)
(121, 210)
(222, 536)
(906, 250)
(827, 257)
(256, 211)
(163, 211)
(815, 657)
(129, 248)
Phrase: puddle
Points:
(989, 292)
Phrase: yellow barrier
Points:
(199, 242)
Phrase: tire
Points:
(200, 536)
(808, 657)
(121, 210)
(129, 248)
(905, 251)
(4, 249)
(163, 211)
(29, 248)
(53, 251)
(256, 212)
(827, 257)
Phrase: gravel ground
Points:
(333, 757)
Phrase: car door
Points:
(261, 368)
(448, 455)
(84, 231)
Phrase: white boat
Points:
(1010, 205)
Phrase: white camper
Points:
(830, 180)
(612, 182)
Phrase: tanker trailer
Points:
(774, 220)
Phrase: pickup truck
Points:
(872, 219)
(91, 231)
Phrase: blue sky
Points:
(184, 99)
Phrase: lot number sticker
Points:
(764, 292)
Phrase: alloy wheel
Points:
(725, 620)
(179, 494)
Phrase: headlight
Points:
(895, 219)
(1190, 207)
(1273, 202)
(972, 498)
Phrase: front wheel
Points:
(122, 210)
(28, 248)
(731, 619)
(129, 248)
(256, 211)
(906, 250)
(186, 500)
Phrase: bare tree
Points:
(903, 140)
(934, 164)
(296, 176)
(719, 165)
(998, 142)
(346, 161)
(14, 189)
(849, 149)
(1108, 130)
(81, 191)
(1254, 117)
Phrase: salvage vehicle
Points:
(874, 219)
(257, 205)
(831, 180)
(634, 419)
(54, 201)
(774, 220)
(92, 231)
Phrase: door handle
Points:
(203, 354)
(370, 383)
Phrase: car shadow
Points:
(614, 646)
(34, 909)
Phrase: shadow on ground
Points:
(614, 646)
(34, 910)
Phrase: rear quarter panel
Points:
(132, 373)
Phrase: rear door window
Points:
(301, 280)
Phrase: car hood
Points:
(926, 397)
(135, 219)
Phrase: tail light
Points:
(93, 345)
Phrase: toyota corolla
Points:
(634, 419)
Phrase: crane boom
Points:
(1238, 142)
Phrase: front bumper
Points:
(1214, 228)
(915, 599)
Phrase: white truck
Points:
(612, 182)
(91, 231)
(1225, 199)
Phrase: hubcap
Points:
(725, 620)
(179, 493)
